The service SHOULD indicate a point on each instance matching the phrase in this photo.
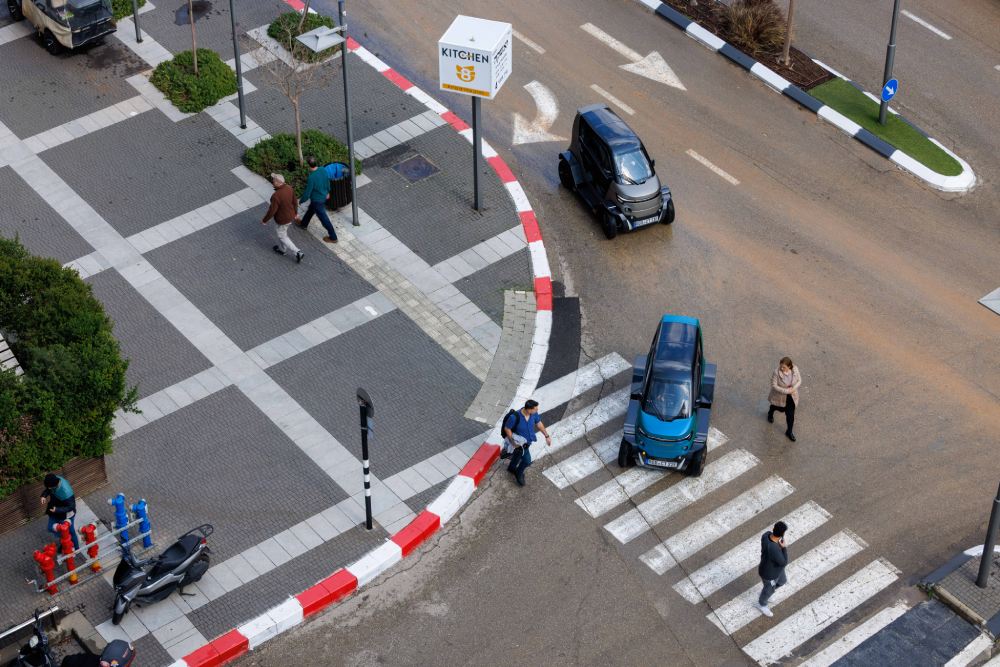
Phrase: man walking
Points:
(316, 193)
(519, 428)
(282, 209)
(61, 505)
(773, 559)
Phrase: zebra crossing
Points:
(632, 508)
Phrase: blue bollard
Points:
(140, 511)
(121, 517)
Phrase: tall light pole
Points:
(890, 53)
(986, 560)
(239, 67)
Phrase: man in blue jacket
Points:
(773, 559)
(519, 428)
(316, 193)
(60, 505)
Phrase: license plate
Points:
(662, 464)
(647, 221)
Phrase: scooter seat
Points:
(176, 554)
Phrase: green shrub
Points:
(753, 26)
(74, 374)
(123, 8)
(277, 155)
(284, 29)
(176, 80)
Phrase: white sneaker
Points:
(764, 609)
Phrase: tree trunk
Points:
(298, 131)
(194, 40)
(302, 19)
(788, 34)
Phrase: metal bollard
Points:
(48, 567)
(141, 511)
(90, 538)
(66, 541)
(121, 516)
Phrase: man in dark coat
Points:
(773, 559)
(283, 210)
(60, 505)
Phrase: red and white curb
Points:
(345, 581)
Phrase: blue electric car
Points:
(666, 425)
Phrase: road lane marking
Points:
(583, 379)
(652, 66)
(844, 645)
(778, 642)
(745, 556)
(584, 463)
(801, 572)
(537, 130)
(711, 166)
(686, 492)
(572, 428)
(611, 98)
(529, 43)
(971, 651)
(611, 42)
(716, 524)
(917, 19)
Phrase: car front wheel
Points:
(609, 225)
(52, 44)
(566, 176)
(697, 464)
(14, 7)
(669, 217)
(624, 454)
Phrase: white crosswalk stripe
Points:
(745, 556)
(719, 522)
(687, 491)
(844, 645)
(800, 572)
(570, 429)
(587, 377)
(585, 463)
(779, 641)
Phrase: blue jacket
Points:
(523, 426)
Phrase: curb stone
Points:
(347, 580)
(961, 183)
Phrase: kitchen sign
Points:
(474, 56)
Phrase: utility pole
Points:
(986, 560)
(890, 53)
(347, 106)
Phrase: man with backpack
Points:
(518, 429)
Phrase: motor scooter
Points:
(153, 579)
(36, 652)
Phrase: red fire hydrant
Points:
(48, 567)
(66, 542)
(89, 537)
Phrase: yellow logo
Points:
(466, 73)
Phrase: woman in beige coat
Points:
(784, 396)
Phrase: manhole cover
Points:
(415, 168)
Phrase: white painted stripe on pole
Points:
(725, 175)
(916, 19)
(529, 43)
(745, 556)
(719, 522)
(582, 464)
(689, 490)
(618, 490)
(574, 427)
(972, 651)
(611, 42)
(611, 98)
(801, 572)
(844, 645)
(778, 642)
(583, 379)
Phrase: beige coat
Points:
(779, 390)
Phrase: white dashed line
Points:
(529, 43)
(917, 19)
(611, 98)
(711, 166)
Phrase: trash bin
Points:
(340, 185)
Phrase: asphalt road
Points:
(822, 251)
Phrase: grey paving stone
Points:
(485, 288)
(41, 230)
(248, 282)
(420, 501)
(150, 649)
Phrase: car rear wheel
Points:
(669, 217)
(609, 225)
(14, 7)
(565, 174)
(52, 44)
(697, 464)
(624, 454)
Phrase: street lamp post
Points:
(986, 560)
(890, 54)
(367, 410)
(239, 67)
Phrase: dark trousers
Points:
(789, 411)
(72, 530)
(318, 209)
(519, 460)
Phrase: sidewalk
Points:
(246, 362)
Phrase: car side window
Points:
(605, 158)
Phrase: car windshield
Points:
(633, 167)
(668, 400)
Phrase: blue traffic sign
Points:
(889, 89)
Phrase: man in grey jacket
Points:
(773, 559)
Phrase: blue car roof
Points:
(674, 354)
(683, 319)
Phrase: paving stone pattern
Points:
(147, 169)
(486, 287)
(24, 214)
(249, 283)
(418, 389)
(158, 355)
(962, 584)
(44, 96)
(217, 461)
(148, 651)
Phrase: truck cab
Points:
(65, 24)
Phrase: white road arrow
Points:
(652, 66)
(537, 131)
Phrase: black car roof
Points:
(674, 354)
(609, 127)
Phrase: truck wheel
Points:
(14, 7)
(565, 173)
(624, 454)
(609, 225)
(52, 44)
(669, 217)
(697, 464)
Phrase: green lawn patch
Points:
(123, 8)
(189, 93)
(277, 155)
(848, 100)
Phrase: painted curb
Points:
(961, 183)
(348, 580)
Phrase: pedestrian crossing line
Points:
(584, 463)
(569, 386)
(570, 429)
(973, 650)
(844, 645)
(778, 642)
(687, 491)
(719, 522)
(801, 572)
(745, 556)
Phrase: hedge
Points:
(74, 374)
(176, 80)
(284, 29)
(277, 155)
(123, 8)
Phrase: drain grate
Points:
(416, 168)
